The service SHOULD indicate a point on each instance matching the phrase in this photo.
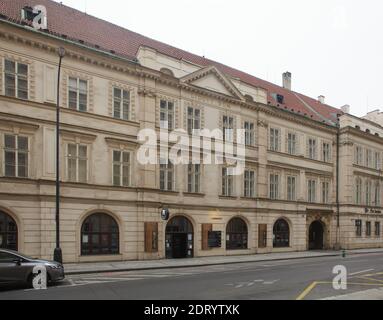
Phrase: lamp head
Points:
(61, 52)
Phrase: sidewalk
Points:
(86, 267)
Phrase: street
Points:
(302, 279)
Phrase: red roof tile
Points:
(63, 20)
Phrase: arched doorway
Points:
(236, 234)
(179, 238)
(99, 235)
(8, 232)
(281, 234)
(316, 232)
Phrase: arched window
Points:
(167, 71)
(249, 98)
(99, 235)
(8, 232)
(236, 234)
(281, 234)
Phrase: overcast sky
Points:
(332, 47)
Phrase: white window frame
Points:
(228, 128)
(16, 151)
(292, 143)
(165, 110)
(121, 165)
(291, 188)
(122, 101)
(227, 185)
(312, 148)
(274, 182)
(326, 151)
(249, 183)
(311, 190)
(193, 119)
(16, 76)
(325, 192)
(77, 158)
(78, 91)
(249, 127)
(167, 168)
(274, 136)
(193, 184)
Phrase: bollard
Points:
(343, 253)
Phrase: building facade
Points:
(312, 172)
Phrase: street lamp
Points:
(57, 255)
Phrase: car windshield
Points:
(21, 255)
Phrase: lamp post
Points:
(57, 255)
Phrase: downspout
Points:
(337, 244)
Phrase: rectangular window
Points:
(358, 227)
(274, 139)
(274, 186)
(359, 155)
(121, 168)
(325, 191)
(78, 94)
(16, 151)
(377, 194)
(312, 148)
(121, 104)
(77, 162)
(291, 188)
(166, 176)
(368, 193)
(291, 143)
(377, 160)
(16, 79)
(377, 228)
(227, 182)
(194, 119)
(166, 114)
(326, 152)
(249, 133)
(358, 191)
(368, 228)
(228, 128)
(368, 158)
(249, 183)
(194, 177)
(311, 191)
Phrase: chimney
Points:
(286, 80)
(321, 99)
(345, 108)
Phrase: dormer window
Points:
(27, 13)
(280, 98)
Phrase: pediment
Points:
(212, 79)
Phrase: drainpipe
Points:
(337, 244)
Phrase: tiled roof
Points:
(79, 26)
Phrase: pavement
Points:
(86, 267)
(278, 279)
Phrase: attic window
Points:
(357, 127)
(249, 98)
(27, 13)
(167, 72)
(280, 98)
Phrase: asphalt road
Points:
(286, 279)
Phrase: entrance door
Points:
(180, 245)
(316, 236)
(179, 238)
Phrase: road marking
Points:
(307, 291)
(362, 271)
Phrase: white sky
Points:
(332, 47)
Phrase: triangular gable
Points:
(214, 80)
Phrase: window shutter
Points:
(151, 236)
(206, 227)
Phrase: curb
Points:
(74, 272)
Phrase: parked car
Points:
(18, 268)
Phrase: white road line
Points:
(362, 271)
